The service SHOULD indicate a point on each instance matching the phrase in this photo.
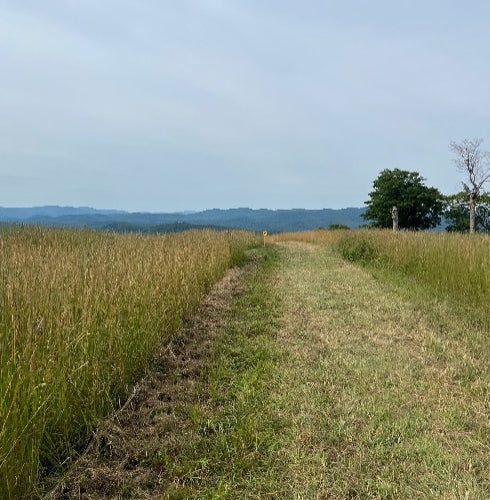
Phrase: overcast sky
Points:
(169, 105)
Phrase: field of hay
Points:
(81, 314)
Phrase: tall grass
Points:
(81, 313)
(453, 265)
(325, 236)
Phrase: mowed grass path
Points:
(328, 383)
(383, 394)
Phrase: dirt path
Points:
(122, 460)
(362, 389)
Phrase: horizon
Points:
(175, 107)
(80, 207)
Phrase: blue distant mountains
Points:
(243, 218)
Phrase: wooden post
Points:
(264, 234)
(472, 211)
(394, 216)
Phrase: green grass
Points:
(386, 396)
(230, 448)
(455, 266)
(452, 266)
(334, 383)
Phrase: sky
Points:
(171, 105)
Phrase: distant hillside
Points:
(51, 211)
(243, 218)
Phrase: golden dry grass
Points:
(81, 314)
(323, 236)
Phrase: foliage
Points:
(457, 213)
(419, 206)
(81, 314)
(357, 249)
(336, 227)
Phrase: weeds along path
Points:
(303, 377)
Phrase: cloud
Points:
(238, 99)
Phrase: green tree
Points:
(334, 226)
(457, 213)
(419, 206)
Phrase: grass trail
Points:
(383, 394)
(318, 381)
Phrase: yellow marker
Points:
(264, 234)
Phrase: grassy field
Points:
(324, 379)
(403, 351)
(230, 434)
(387, 386)
(81, 314)
(454, 266)
(347, 364)
(368, 385)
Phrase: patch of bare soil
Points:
(126, 457)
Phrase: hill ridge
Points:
(274, 220)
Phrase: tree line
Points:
(401, 199)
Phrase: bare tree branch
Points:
(475, 163)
